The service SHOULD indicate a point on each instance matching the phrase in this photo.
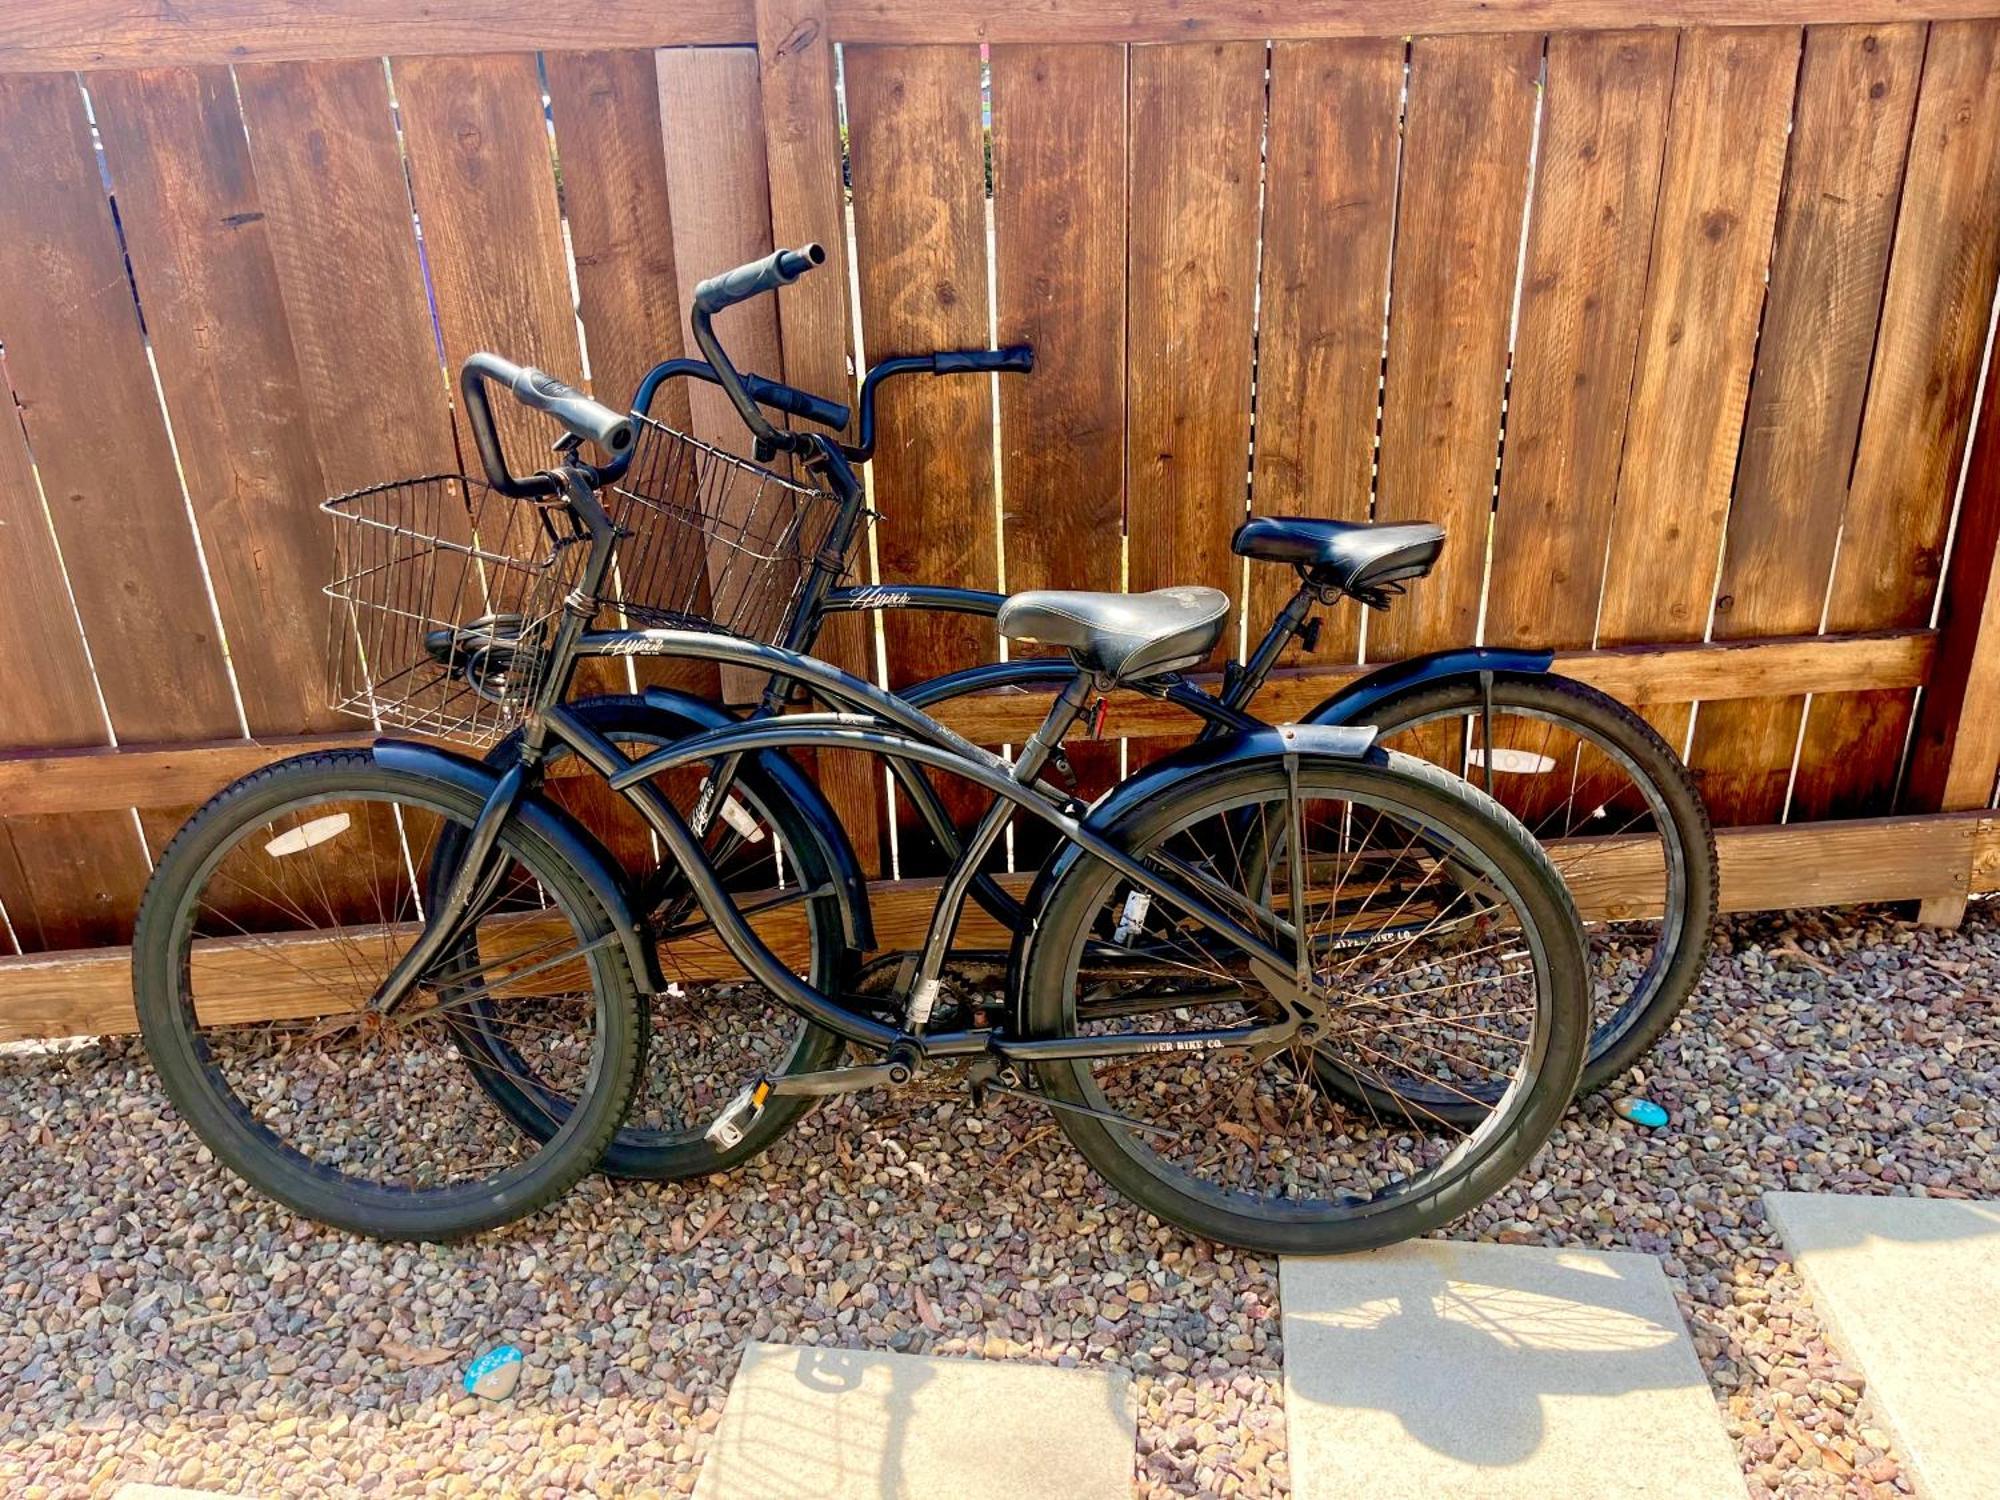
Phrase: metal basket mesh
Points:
(444, 595)
(711, 541)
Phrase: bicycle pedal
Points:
(727, 1130)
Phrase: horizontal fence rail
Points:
(1677, 317)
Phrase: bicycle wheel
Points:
(267, 926)
(1453, 949)
(1614, 807)
(714, 1030)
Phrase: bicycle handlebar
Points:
(541, 392)
(779, 268)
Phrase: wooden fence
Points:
(1677, 323)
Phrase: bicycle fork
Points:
(472, 886)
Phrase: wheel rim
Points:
(301, 910)
(1588, 802)
(1314, 1157)
(713, 1029)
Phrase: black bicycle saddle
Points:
(1356, 557)
(1123, 636)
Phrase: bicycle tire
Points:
(1634, 1023)
(637, 1152)
(1429, 799)
(230, 1127)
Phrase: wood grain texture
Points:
(330, 179)
(91, 34)
(1059, 181)
(1935, 315)
(485, 194)
(718, 198)
(1329, 204)
(1711, 244)
(1196, 115)
(1235, 20)
(59, 34)
(920, 234)
(77, 362)
(1583, 289)
(802, 142)
(201, 254)
(1955, 750)
(615, 198)
(1836, 219)
(64, 783)
(66, 881)
(1883, 859)
(1458, 238)
(719, 201)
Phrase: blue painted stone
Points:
(495, 1373)
(1641, 1112)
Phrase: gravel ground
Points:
(158, 1323)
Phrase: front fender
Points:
(1353, 703)
(568, 837)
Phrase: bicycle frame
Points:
(863, 717)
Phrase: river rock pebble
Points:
(160, 1323)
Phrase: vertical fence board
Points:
(920, 234)
(1955, 752)
(78, 365)
(1458, 238)
(66, 882)
(917, 155)
(1196, 118)
(719, 197)
(614, 192)
(1582, 293)
(1711, 244)
(1059, 246)
(1329, 202)
(802, 135)
(485, 196)
(615, 195)
(1059, 184)
(1857, 92)
(1913, 428)
(201, 255)
(330, 178)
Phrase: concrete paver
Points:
(1910, 1288)
(844, 1424)
(1438, 1369)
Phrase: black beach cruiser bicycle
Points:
(1611, 802)
(1236, 985)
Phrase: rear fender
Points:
(568, 837)
(1353, 703)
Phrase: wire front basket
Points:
(444, 598)
(710, 541)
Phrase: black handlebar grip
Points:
(799, 403)
(779, 268)
(1018, 359)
